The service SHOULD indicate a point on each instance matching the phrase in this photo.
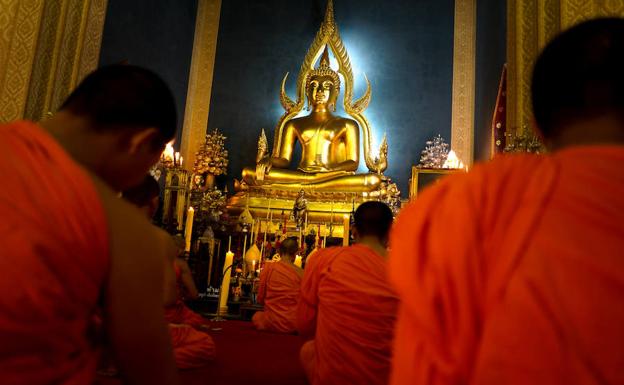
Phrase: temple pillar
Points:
(200, 79)
(464, 53)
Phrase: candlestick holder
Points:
(177, 183)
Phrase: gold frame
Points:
(413, 183)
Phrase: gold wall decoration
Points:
(200, 78)
(19, 30)
(463, 109)
(530, 26)
(46, 48)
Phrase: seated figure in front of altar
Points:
(330, 145)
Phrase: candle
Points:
(230, 244)
(266, 229)
(244, 251)
(305, 227)
(253, 266)
(225, 285)
(325, 237)
(345, 225)
(181, 158)
(188, 229)
(297, 261)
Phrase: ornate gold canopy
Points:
(329, 36)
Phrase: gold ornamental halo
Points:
(329, 36)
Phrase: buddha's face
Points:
(321, 90)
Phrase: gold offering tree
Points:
(212, 158)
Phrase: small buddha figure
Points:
(330, 144)
(299, 210)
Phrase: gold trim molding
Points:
(200, 79)
(464, 52)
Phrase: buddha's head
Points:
(323, 84)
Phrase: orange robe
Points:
(349, 307)
(513, 274)
(192, 348)
(54, 257)
(279, 292)
(179, 313)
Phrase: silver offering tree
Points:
(435, 153)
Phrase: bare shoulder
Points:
(182, 264)
(129, 231)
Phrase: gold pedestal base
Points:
(323, 208)
(319, 211)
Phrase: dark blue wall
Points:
(405, 47)
(490, 58)
(157, 34)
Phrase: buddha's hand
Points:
(263, 167)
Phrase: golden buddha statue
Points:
(330, 144)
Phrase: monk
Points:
(71, 247)
(348, 307)
(278, 291)
(191, 348)
(513, 273)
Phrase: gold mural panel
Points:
(19, 40)
(530, 26)
(46, 48)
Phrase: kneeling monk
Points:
(348, 307)
(279, 292)
(191, 347)
(178, 312)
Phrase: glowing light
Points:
(452, 161)
(168, 153)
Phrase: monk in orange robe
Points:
(513, 273)
(348, 307)
(279, 291)
(71, 247)
(185, 288)
(192, 348)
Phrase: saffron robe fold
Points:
(279, 292)
(513, 274)
(54, 260)
(192, 348)
(347, 304)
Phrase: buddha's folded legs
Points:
(291, 176)
(350, 183)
